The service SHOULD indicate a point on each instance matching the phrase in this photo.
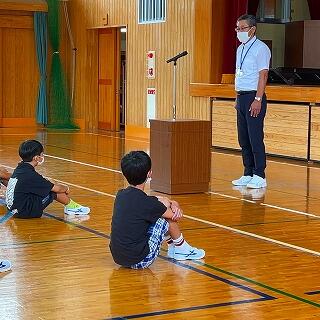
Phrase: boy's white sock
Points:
(181, 245)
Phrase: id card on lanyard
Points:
(239, 71)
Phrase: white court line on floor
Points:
(221, 226)
(85, 188)
(210, 192)
(253, 235)
(71, 184)
(82, 163)
(271, 161)
(128, 139)
(291, 210)
(266, 205)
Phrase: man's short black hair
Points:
(29, 149)
(251, 19)
(135, 167)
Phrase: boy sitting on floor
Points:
(140, 222)
(28, 193)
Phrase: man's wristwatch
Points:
(257, 98)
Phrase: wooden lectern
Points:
(181, 155)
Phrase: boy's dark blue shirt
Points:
(26, 190)
(133, 213)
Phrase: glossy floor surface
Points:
(263, 246)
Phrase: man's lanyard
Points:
(242, 60)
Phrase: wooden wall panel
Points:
(16, 21)
(20, 75)
(25, 5)
(315, 133)
(286, 128)
(167, 39)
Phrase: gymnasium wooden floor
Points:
(263, 250)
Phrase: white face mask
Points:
(41, 162)
(243, 36)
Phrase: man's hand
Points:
(255, 108)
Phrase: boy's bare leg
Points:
(174, 230)
(71, 207)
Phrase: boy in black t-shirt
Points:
(140, 222)
(28, 193)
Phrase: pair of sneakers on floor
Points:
(254, 182)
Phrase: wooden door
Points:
(19, 72)
(109, 79)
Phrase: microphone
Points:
(178, 56)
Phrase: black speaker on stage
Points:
(294, 76)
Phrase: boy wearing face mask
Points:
(28, 193)
(140, 223)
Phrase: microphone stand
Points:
(174, 106)
(174, 60)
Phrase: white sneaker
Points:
(192, 254)
(80, 211)
(5, 265)
(257, 182)
(243, 181)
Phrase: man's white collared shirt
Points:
(250, 63)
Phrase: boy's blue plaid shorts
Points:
(157, 233)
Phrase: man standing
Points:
(252, 66)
